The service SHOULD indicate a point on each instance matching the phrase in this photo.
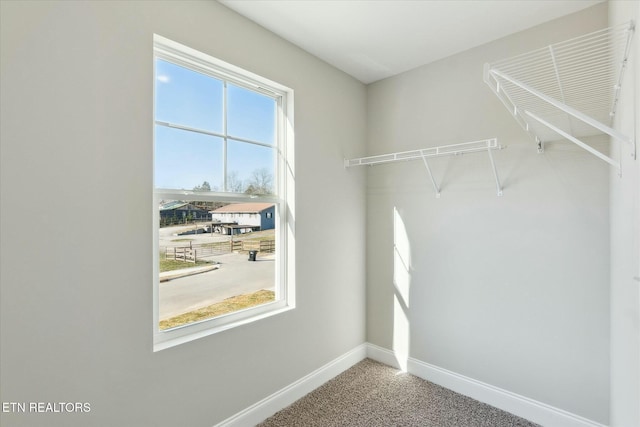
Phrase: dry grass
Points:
(168, 264)
(257, 236)
(229, 305)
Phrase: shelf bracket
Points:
(574, 140)
(433, 181)
(495, 173)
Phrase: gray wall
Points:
(625, 243)
(76, 291)
(513, 290)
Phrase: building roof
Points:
(243, 208)
(172, 205)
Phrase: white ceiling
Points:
(374, 39)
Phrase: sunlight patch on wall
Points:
(401, 285)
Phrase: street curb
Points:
(168, 277)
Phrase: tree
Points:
(261, 182)
(234, 184)
(204, 187)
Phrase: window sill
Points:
(181, 335)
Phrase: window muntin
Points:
(184, 131)
(212, 166)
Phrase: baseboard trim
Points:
(532, 410)
(516, 404)
(268, 406)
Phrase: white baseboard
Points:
(268, 406)
(532, 410)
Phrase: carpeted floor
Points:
(372, 394)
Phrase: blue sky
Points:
(185, 159)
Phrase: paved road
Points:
(168, 236)
(236, 276)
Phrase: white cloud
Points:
(163, 78)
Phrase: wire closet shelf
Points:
(484, 145)
(569, 89)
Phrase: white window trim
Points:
(284, 201)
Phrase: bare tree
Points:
(234, 183)
(261, 182)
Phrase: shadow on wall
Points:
(401, 287)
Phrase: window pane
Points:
(188, 98)
(250, 115)
(187, 160)
(208, 266)
(250, 168)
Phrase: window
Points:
(223, 150)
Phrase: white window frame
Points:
(283, 198)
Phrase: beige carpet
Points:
(372, 394)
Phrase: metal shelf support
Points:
(433, 181)
(569, 89)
